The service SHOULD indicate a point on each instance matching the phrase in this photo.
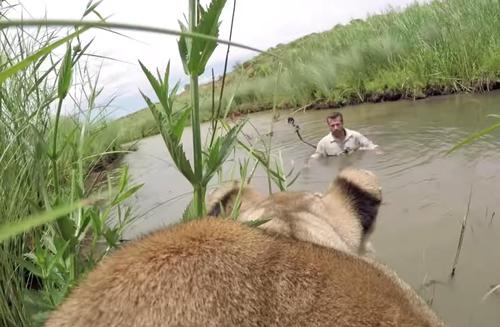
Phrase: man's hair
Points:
(335, 115)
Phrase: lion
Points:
(222, 272)
(342, 218)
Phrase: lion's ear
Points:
(352, 203)
(221, 199)
(362, 191)
(224, 198)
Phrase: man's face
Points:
(336, 126)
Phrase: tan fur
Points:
(217, 272)
(325, 219)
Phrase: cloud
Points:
(258, 23)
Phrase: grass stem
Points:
(54, 155)
(461, 238)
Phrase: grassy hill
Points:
(438, 48)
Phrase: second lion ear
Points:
(352, 203)
(364, 193)
(220, 200)
(224, 198)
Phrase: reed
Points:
(461, 237)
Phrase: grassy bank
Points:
(439, 48)
(49, 160)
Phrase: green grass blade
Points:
(176, 128)
(40, 53)
(220, 151)
(189, 212)
(128, 193)
(133, 27)
(257, 222)
(155, 84)
(209, 25)
(183, 49)
(12, 229)
(181, 162)
(473, 137)
(91, 8)
(65, 74)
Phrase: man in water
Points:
(341, 140)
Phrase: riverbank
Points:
(443, 47)
(144, 126)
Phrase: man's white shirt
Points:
(331, 146)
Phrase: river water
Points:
(425, 192)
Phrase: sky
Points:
(258, 23)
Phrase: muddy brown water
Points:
(425, 191)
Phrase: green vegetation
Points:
(476, 135)
(50, 165)
(171, 115)
(55, 223)
(194, 54)
(438, 48)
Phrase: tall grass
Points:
(45, 159)
(437, 48)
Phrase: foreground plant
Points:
(46, 159)
(171, 124)
(476, 135)
(194, 53)
(207, 160)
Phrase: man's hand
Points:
(315, 155)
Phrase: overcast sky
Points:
(258, 23)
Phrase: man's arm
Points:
(319, 150)
(365, 143)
